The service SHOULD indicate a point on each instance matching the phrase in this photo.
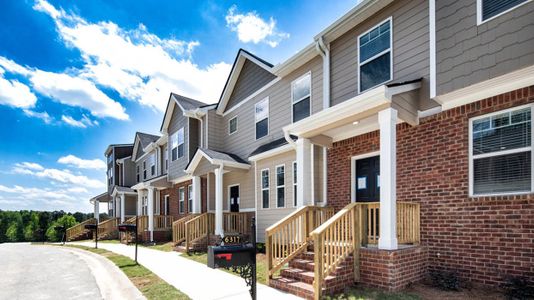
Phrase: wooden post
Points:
(364, 214)
(268, 246)
(318, 260)
(356, 212)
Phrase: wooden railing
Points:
(178, 228)
(236, 223)
(290, 236)
(142, 223)
(333, 242)
(162, 222)
(107, 226)
(198, 227)
(408, 222)
(78, 229)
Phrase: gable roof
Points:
(216, 157)
(241, 57)
(184, 103)
(142, 140)
(272, 145)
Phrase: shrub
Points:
(516, 287)
(445, 280)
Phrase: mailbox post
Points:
(94, 229)
(130, 228)
(239, 258)
(63, 232)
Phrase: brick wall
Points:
(483, 238)
(173, 198)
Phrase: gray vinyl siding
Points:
(129, 173)
(130, 205)
(271, 215)
(410, 51)
(178, 120)
(251, 78)
(468, 54)
(243, 142)
(194, 138)
(148, 173)
(139, 152)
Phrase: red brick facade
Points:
(484, 239)
(174, 201)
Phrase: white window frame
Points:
(152, 159)
(498, 153)
(144, 170)
(256, 121)
(138, 173)
(165, 205)
(178, 144)
(280, 186)
(166, 158)
(295, 182)
(236, 125)
(479, 12)
(190, 198)
(390, 19)
(268, 189)
(181, 199)
(353, 174)
(293, 101)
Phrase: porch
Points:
(162, 225)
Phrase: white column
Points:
(197, 202)
(150, 212)
(387, 120)
(97, 211)
(304, 172)
(219, 230)
(139, 202)
(123, 200)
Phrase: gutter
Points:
(198, 113)
(324, 51)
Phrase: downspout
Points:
(197, 114)
(324, 51)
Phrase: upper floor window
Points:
(181, 199)
(262, 118)
(166, 157)
(232, 125)
(300, 97)
(137, 173)
(144, 169)
(374, 56)
(177, 144)
(152, 164)
(190, 198)
(500, 155)
(265, 188)
(280, 186)
(489, 9)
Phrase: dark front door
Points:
(234, 198)
(368, 179)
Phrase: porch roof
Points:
(159, 182)
(359, 114)
(216, 158)
(122, 190)
(104, 197)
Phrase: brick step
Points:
(302, 264)
(303, 275)
(293, 286)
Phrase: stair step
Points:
(302, 275)
(293, 286)
(303, 264)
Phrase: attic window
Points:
(232, 125)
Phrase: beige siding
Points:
(216, 133)
(130, 205)
(410, 51)
(267, 217)
(468, 54)
(246, 188)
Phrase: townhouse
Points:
(399, 141)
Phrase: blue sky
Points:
(76, 76)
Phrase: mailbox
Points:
(230, 256)
(90, 226)
(127, 228)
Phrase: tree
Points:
(66, 221)
(12, 232)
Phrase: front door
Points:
(368, 179)
(234, 198)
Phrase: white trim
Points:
(181, 179)
(268, 118)
(325, 176)
(252, 96)
(230, 126)
(190, 198)
(207, 191)
(272, 152)
(479, 12)
(472, 157)
(249, 209)
(293, 102)
(390, 50)
(256, 196)
(180, 211)
(429, 112)
(294, 179)
(488, 88)
(276, 187)
(268, 188)
(353, 160)
(178, 143)
(432, 41)
(207, 129)
(165, 204)
(238, 198)
(312, 172)
(198, 156)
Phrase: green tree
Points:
(66, 221)
(12, 232)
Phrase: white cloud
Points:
(63, 176)
(84, 122)
(30, 165)
(16, 94)
(251, 28)
(80, 163)
(39, 115)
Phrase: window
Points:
(144, 170)
(232, 125)
(262, 118)
(144, 207)
(137, 173)
(177, 144)
(166, 205)
(295, 183)
(166, 157)
(490, 9)
(265, 188)
(190, 198)
(501, 152)
(300, 97)
(280, 186)
(181, 199)
(374, 56)
(152, 160)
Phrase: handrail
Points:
(236, 223)
(78, 228)
(163, 222)
(290, 236)
(178, 228)
(333, 242)
(142, 223)
(198, 227)
(107, 226)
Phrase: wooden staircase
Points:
(108, 230)
(78, 231)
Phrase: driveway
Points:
(49, 272)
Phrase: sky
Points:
(76, 76)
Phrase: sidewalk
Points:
(194, 279)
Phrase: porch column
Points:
(219, 230)
(304, 172)
(139, 202)
(97, 211)
(150, 212)
(387, 120)
(123, 199)
(197, 202)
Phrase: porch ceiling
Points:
(104, 197)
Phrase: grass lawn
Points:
(360, 293)
(261, 264)
(147, 282)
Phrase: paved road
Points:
(44, 272)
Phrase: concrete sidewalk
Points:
(194, 279)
